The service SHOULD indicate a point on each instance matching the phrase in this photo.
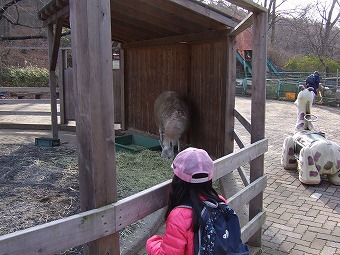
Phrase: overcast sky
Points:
(296, 4)
(289, 4)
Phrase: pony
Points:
(171, 114)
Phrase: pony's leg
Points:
(334, 178)
(172, 149)
(288, 160)
(178, 146)
(308, 173)
(161, 137)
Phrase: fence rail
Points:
(287, 88)
(59, 235)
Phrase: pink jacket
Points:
(178, 237)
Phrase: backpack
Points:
(310, 79)
(220, 231)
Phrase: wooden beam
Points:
(253, 226)
(243, 25)
(258, 102)
(242, 120)
(25, 127)
(206, 10)
(63, 13)
(56, 44)
(248, 193)
(248, 5)
(25, 89)
(59, 235)
(232, 161)
(188, 14)
(62, 61)
(238, 141)
(188, 38)
(92, 66)
(53, 46)
(230, 75)
(243, 176)
(24, 113)
(122, 90)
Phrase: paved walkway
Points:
(300, 219)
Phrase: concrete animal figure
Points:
(308, 150)
(172, 118)
(322, 91)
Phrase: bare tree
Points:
(19, 20)
(318, 25)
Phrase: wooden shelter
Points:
(181, 45)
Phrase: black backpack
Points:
(220, 231)
(310, 79)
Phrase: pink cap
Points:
(193, 161)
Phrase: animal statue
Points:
(322, 91)
(172, 118)
(308, 150)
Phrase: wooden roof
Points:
(138, 20)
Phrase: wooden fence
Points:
(35, 108)
(59, 235)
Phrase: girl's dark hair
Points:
(184, 193)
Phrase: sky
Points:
(290, 4)
(296, 4)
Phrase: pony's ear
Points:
(301, 87)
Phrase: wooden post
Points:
(122, 84)
(62, 61)
(52, 39)
(230, 94)
(258, 111)
(93, 79)
(1, 82)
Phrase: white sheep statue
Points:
(316, 155)
(172, 118)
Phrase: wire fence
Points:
(287, 87)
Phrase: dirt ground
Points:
(40, 184)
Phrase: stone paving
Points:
(300, 219)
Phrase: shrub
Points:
(310, 63)
(25, 77)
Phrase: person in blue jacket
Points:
(313, 81)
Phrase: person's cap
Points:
(193, 161)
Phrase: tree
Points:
(318, 25)
(19, 20)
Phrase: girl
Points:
(192, 182)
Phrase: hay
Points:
(40, 184)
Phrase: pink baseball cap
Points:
(193, 161)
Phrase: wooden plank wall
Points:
(117, 87)
(148, 72)
(196, 72)
(208, 96)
